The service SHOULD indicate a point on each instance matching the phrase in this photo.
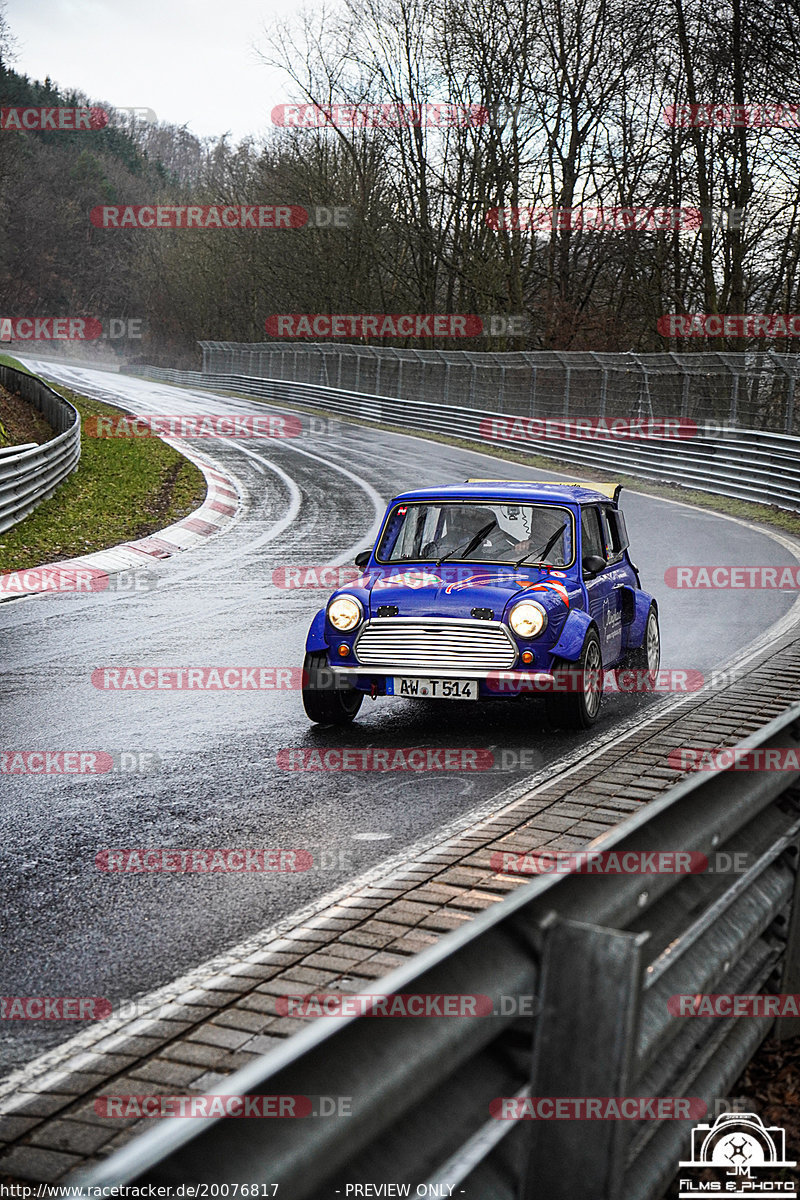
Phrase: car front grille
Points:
(434, 644)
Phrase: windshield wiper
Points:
(544, 552)
(479, 536)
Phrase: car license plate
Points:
(434, 689)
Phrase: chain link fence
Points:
(751, 391)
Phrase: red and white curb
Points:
(222, 504)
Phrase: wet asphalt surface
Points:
(69, 929)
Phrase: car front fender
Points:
(316, 634)
(573, 635)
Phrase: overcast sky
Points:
(194, 64)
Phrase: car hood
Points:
(455, 591)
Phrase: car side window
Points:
(592, 535)
(616, 533)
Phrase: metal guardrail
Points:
(602, 955)
(30, 473)
(746, 464)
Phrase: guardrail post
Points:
(584, 1043)
(788, 1027)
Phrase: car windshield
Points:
(489, 531)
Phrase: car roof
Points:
(519, 490)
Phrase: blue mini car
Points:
(485, 590)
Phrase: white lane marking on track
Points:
(260, 462)
(378, 503)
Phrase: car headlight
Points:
(528, 619)
(344, 613)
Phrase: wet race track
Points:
(71, 929)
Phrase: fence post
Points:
(590, 990)
(790, 404)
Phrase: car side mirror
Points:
(362, 559)
(593, 564)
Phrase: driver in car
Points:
(474, 532)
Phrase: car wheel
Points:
(647, 657)
(579, 707)
(324, 701)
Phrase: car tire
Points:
(579, 709)
(325, 704)
(647, 657)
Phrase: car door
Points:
(604, 588)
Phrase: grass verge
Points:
(7, 361)
(123, 489)
(18, 421)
